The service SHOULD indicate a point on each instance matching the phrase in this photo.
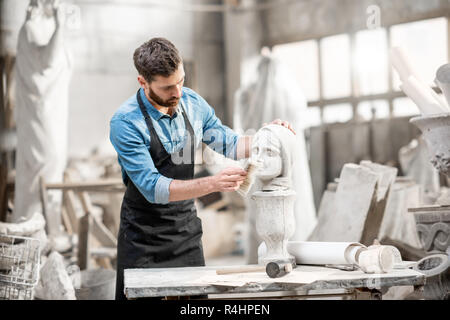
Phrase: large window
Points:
(348, 76)
(335, 63)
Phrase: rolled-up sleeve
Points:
(216, 135)
(135, 159)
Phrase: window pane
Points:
(425, 42)
(336, 66)
(379, 107)
(302, 59)
(404, 107)
(337, 113)
(312, 117)
(371, 63)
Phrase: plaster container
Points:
(436, 132)
(379, 259)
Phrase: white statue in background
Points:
(276, 94)
(42, 82)
(273, 148)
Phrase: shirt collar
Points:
(153, 112)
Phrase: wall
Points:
(104, 75)
(223, 46)
(302, 20)
(334, 145)
(246, 31)
(243, 41)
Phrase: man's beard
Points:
(170, 103)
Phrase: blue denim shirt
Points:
(130, 137)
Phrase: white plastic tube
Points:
(422, 96)
(401, 62)
(321, 253)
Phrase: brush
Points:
(251, 168)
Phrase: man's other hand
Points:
(281, 123)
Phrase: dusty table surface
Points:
(160, 282)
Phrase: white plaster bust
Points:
(273, 147)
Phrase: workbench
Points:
(304, 282)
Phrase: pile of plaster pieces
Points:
(56, 281)
(376, 258)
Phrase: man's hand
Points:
(281, 123)
(229, 179)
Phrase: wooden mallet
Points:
(274, 269)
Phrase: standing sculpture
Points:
(433, 223)
(274, 94)
(42, 82)
(273, 146)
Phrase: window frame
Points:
(355, 99)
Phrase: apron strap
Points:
(191, 132)
(148, 121)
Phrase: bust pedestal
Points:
(275, 223)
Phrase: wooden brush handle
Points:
(241, 269)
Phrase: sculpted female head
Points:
(272, 146)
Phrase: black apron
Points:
(159, 235)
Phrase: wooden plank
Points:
(66, 221)
(104, 262)
(83, 241)
(69, 203)
(318, 162)
(354, 199)
(43, 195)
(8, 103)
(104, 252)
(113, 184)
(385, 184)
(99, 230)
(2, 96)
(102, 233)
(3, 188)
(398, 224)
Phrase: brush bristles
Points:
(249, 179)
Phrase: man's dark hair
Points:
(158, 56)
